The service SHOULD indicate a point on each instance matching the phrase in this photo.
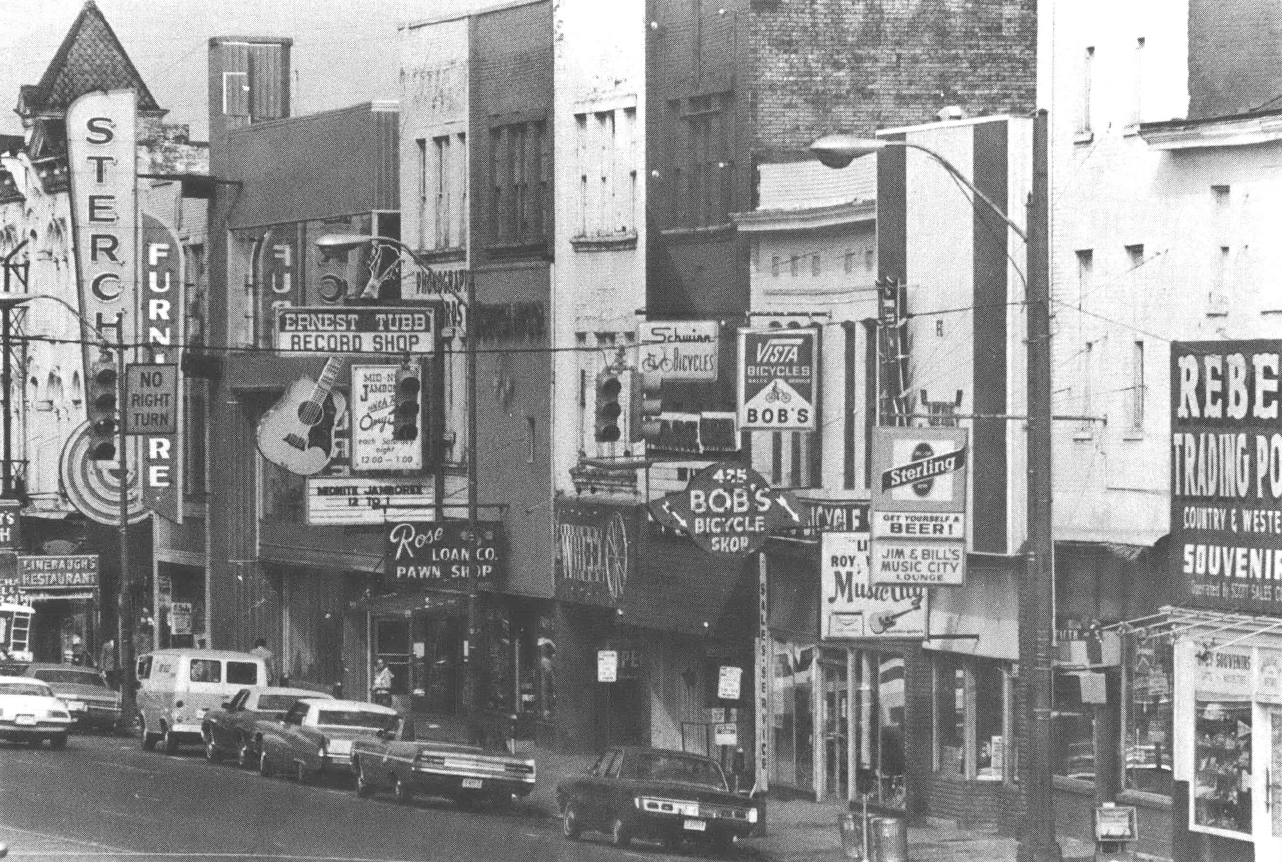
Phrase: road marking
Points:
(50, 837)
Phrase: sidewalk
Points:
(801, 831)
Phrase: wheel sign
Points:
(777, 379)
(93, 487)
(727, 509)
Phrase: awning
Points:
(1228, 628)
(30, 596)
(404, 604)
(680, 588)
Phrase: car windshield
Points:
(276, 702)
(353, 718)
(35, 689)
(671, 767)
(72, 677)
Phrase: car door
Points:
(595, 800)
(288, 734)
(222, 728)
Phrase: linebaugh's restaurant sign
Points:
(1226, 472)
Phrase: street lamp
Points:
(1037, 839)
(342, 242)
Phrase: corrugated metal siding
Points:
(268, 67)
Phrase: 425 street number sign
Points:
(727, 509)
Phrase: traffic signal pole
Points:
(125, 614)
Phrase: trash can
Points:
(889, 839)
(852, 836)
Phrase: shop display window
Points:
(1222, 766)
(1149, 717)
(950, 715)
(1073, 736)
(990, 721)
(792, 733)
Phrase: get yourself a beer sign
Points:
(919, 506)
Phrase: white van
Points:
(176, 687)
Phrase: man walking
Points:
(269, 659)
(382, 683)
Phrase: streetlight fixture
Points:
(1037, 839)
(343, 242)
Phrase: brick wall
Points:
(1233, 56)
(860, 65)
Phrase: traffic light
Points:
(646, 405)
(608, 409)
(104, 415)
(406, 409)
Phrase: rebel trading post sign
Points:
(777, 369)
(919, 506)
(1226, 473)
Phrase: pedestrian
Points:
(110, 662)
(382, 683)
(269, 659)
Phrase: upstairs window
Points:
(699, 170)
(442, 192)
(520, 172)
(607, 174)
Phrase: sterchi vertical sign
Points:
(100, 157)
(1226, 473)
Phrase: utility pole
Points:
(125, 613)
(1037, 617)
(471, 661)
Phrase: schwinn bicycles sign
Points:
(777, 379)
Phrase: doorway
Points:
(1268, 800)
(834, 720)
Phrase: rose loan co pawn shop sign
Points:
(919, 506)
(728, 509)
(438, 552)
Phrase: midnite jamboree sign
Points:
(1226, 472)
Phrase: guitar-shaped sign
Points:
(297, 433)
(884, 622)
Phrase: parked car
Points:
(178, 687)
(236, 728)
(84, 690)
(315, 736)
(433, 756)
(669, 796)
(30, 713)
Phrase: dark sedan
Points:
(433, 756)
(316, 735)
(654, 793)
(89, 698)
(233, 729)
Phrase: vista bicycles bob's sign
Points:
(777, 369)
(851, 606)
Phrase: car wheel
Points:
(169, 742)
(264, 765)
(570, 826)
(619, 834)
(59, 742)
(245, 758)
(402, 791)
(147, 740)
(364, 787)
(211, 750)
(34, 743)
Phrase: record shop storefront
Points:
(671, 620)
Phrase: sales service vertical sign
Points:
(777, 371)
(919, 506)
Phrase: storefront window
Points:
(1149, 718)
(1222, 762)
(990, 721)
(950, 715)
(1073, 735)
(886, 733)
(793, 730)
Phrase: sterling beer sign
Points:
(919, 506)
(1226, 473)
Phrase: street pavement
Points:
(103, 798)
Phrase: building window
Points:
(1073, 723)
(1222, 764)
(1085, 274)
(531, 439)
(850, 262)
(606, 153)
(1138, 388)
(972, 718)
(870, 259)
(520, 165)
(443, 192)
(1084, 118)
(774, 266)
(698, 153)
(1150, 718)
(814, 265)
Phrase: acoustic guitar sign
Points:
(852, 606)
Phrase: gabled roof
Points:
(90, 58)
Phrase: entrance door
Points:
(392, 645)
(835, 709)
(1268, 839)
